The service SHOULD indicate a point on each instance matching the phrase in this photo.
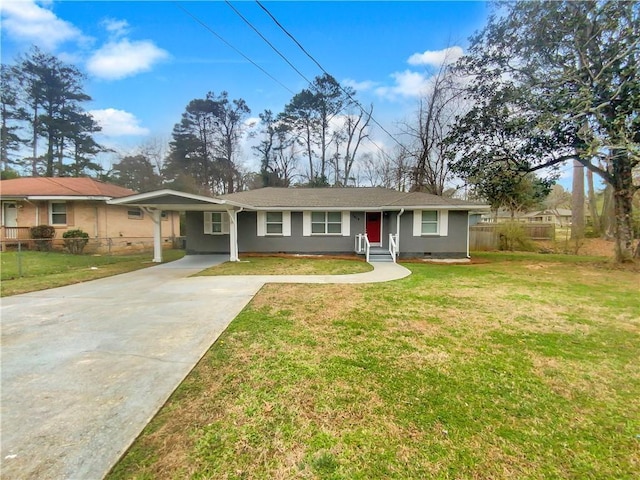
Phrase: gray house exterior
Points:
(320, 221)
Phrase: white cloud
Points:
(117, 28)
(436, 58)
(27, 21)
(252, 122)
(407, 84)
(359, 86)
(124, 58)
(117, 123)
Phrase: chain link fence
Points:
(23, 257)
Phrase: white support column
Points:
(156, 216)
(233, 235)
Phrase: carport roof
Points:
(173, 200)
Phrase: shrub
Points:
(514, 237)
(75, 240)
(43, 237)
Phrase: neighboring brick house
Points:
(78, 203)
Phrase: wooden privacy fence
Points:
(486, 236)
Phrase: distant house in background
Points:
(561, 217)
(78, 203)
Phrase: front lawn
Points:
(30, 271)
(289, 265)
(516, 368)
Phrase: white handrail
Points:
(367, 246)
(393, 246)
(362, 244)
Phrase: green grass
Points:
(287, 265)
(522, 367)
(30, 271)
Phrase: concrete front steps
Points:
(378, 254)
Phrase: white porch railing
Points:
(14, 233)
(393, 246)
(363, 245)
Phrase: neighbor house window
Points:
(58, 213)
(216, 223)
(135, 213)
(326, 223)
(274, 223)
(429, 222)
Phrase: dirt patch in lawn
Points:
(597, 247)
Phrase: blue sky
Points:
(146, 60)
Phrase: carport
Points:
(156, 202)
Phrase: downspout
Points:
(398, 229)
(468, 233)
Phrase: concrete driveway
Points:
(85, 367)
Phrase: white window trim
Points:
(261, 226)
(345, 225)
(443, 224)
(51, 213)
(208, 223)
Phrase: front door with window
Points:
(373, 227)
(10, 214)
(10, 219)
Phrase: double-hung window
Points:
(326, 223)
(58, 213)
(274, 223)
(429, 222)
(216, 223)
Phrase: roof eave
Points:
(437, 207)
(60, 197)
(141, 199)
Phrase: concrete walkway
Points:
(85, 367)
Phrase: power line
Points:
(346, 92)
(267, 41)
(208, 28)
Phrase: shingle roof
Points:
(361, 197)
(61, 186)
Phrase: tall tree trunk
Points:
(593, 205)
(50, 155)
(623, 190)
(34, 159)
(577, 201)
(608, 217)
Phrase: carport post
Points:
(157, 235)
(233, 235)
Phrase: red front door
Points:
(374, 222)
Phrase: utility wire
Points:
(267, 41)
(208, 28)
(346, 92)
